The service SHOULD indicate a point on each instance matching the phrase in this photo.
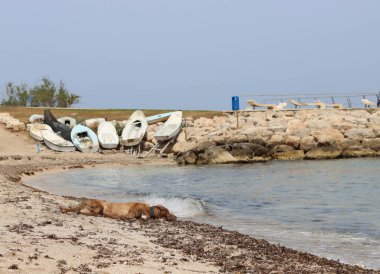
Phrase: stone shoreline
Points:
(282, 135)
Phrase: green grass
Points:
(23, 113)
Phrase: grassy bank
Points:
(23, 113)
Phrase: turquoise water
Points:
(329, 208)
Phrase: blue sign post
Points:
(235, 108)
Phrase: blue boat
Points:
(158, 118)
(84, 139)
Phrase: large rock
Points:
(323, 153)
(204, 122)
(307, 143)
(183, 146)
(376, 129)
(297, 128)
(275, 140)
(347, 142)
(277, 125)
(328, 137)
(237, 138)
(204, 145)
(188, 157)
(373, 144)
(282, 148)
(357, 151)
(289, 155)
(242, 152)
(215, 155)
(360, 133)
(293, 141)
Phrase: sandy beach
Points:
(37, 238)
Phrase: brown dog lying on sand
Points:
(121, 211)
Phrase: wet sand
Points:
(37, 238)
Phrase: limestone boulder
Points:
(293, 141)
(260, 150)
(360, 133)
(308, 143)
(342, 126)
(297, 128)
(323, 153)
(188, 157)
(275, 140)
(147, 145)
(4, 116)
(328, 137)
(215, 155)
(181, 136)
(218, 140)
(182, 146)
(204, 122)
(277, 125)
(242, 151)
(203, 145)
(373, 144)
(355, 120)
(376, 129)
(316, 124)
(14, 125)
(347, 142)
(289, 155)
(219, 119)
(357, 152)
(256, 131)
(282, 148)
(150, 136)
(238, 138)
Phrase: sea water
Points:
(330, 208)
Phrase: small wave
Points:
(181, 207)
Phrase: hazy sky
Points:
(192, 54)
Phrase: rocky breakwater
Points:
(282, 135)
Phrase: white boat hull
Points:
(56, 142)
(107, 135)
(35, 131)
(158, 118)
(71, 122)
(135, 129)
(36, 118)
(84, 139)
(170, 128)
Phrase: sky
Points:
(195, 54)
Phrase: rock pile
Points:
(283, 135)
(11, 123)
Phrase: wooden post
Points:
(237, 119)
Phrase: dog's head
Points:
(162, 212)
(93, 207)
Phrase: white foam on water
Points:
(181, 207)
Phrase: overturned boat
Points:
(36, 118)
(84, 139)
(68, 121)
(56, 142)
(135, 129)
(59, 128)
(107, 135)
(158, 118)
(170, 128)
(35, 131)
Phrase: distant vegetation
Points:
(47, 94)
